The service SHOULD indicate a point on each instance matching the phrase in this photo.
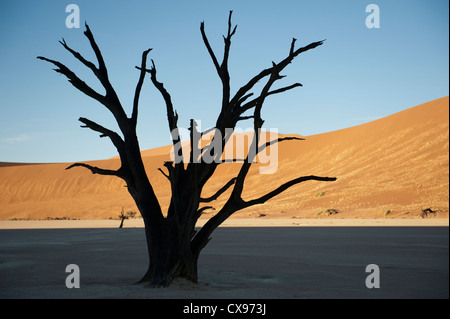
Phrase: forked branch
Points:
(172, 115)
(219, 192)
(76, 81)
(97, 170)
(281, 65)
(284, 187)
(202, 237)
(208, 47)
(110, 99)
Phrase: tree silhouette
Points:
(173, 243)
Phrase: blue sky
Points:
(358, 75)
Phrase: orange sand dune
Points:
(392, 167)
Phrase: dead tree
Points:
(122, 217)
(173, 243)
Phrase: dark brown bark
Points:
(173, 243)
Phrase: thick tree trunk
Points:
(170, 255)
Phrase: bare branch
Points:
(77, 55)
(105, 132)
(243, 118)
(247, 106)
(250, 84)
(227, 40)
(286, 88)
(236, 194)
(132, 169)
(230, 34)
(259, 150)
(110, 100)
(115, 138)
(277, 140)
(222, 71)
(291, 52)
(76, 82)
(208, 47)
(284, 187)
(96, 170)
(200, 211)
(244, 98)
(139, 86)
(202, 237)
(98, 54)
(113, 102)
(219, 192)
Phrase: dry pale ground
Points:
(239, 262)
(393, 167)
